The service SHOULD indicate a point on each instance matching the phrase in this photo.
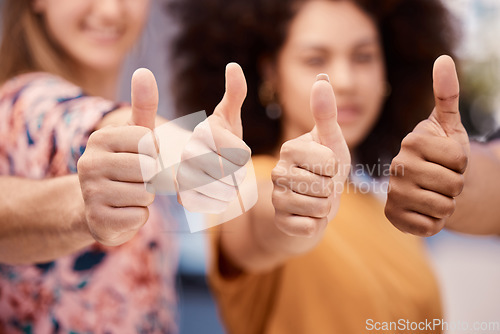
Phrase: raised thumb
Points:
(229, 109)
(324, 111)
(144, 98)
(446, 94)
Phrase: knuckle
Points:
(411, 141)
(328, 187)
(98, 138)
(390, 188)
(421, 230)
(148, 199)
(238, 156)
(189, 151)
(280, 181)
(148, 169)
(187, 199)
(307, 228)
(97, 220)
(277, 200)
(416, 224)
(461, 161)
(183, 174)
(398, 166)
(281, 220)
(457, 155)
(394, 190)
(332, 166)
(94, 137)
(296, 227)
(223, 192)
(90, 190)
(287, 150)
(324, 207)
(457, 186)
(85, 164)
(390, 214)
(82, 165)
(426, 227)
(142, 216)
(395, 215)
(447, 208)
(202, 131)
(240, 175)
(278, 172)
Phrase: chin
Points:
(103, 66)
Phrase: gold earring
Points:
(267, 93)
(267, 97)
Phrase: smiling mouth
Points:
(103, 35)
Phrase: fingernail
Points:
(322, 76)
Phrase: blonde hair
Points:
(26, 45)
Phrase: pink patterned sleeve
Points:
(79, 116)
(46, 124)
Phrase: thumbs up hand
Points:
(427, 174)
(111, 178)
(310, 175)
(213, 161)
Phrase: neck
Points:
(99, 83)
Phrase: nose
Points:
(342, 75)
(108, 10)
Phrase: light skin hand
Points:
(310, 175)
(111, 178)
(428, 172)
(305, 193)
(216, 143)
(43, 220)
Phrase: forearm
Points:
(477, 210)
(41, 220)
(253, 243)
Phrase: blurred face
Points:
(96, 34)
(337, 38)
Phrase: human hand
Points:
(427, 173)
(213, 161)
(310, 175)
(111, 178)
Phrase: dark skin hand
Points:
(428, 173)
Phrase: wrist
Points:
(78, 221)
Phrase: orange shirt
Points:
(364, 275)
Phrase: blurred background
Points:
(474, 260)
(479, 54)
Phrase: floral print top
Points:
(44, 125)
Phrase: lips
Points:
(103, 34)
(348, 113)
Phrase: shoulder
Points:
(36, 88)
(34, 80)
